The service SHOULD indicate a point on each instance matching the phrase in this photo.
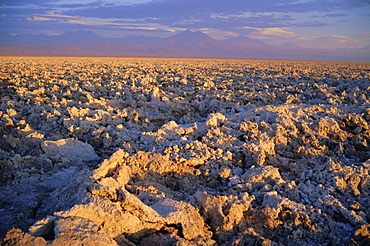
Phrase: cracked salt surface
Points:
(110, 151)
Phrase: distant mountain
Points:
(198, 44)
(30, 39)
(365, 49)
(245, 41)
(5, 38)
(189, 37)
(142, 40)
(185, 44)
(78, 37)
(290, 45)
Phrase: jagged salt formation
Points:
(184, 152)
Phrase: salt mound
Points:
(69, 149)
(183, 152)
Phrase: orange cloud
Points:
(138, 28)
(273, 31)
(174, 29)
(73, 20)
(90, 23)
(60, 16)
(228, 33)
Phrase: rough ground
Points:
(100, 151)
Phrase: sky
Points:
(307, 23)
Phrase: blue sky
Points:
(307, 23)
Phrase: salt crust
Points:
(184, 152)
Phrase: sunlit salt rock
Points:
(69, 149)
(156, 94)
(223, 220)
(260, 176)
(215, 120)
(107, 107)
(179, 212)
(225, 172)
(110, 164)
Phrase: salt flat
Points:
(136, 151)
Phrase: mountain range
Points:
(187, 44)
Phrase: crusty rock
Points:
(215, 120)
(196, 152)
(260, 176)
(17, 237)
(69, 149)
(177, 212)
(80, 231)
(362, 236)
(224, 213)
(109, 165)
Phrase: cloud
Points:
(306, 38)
(169, 9)
(224, 15)
(70, 19)
(331, 41)
(56, 18)
(363, 35)
(36, 18)
(215, 13)
(60, 16)
(272, 31)
(310, 24)
(27, 2)
(228, 33)
(138, 28)
(67, 19)
(281, 20)
(336, 15)
(275, 31)
(234, 22)
(11, 12)
(89, 23)
(363, 38)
